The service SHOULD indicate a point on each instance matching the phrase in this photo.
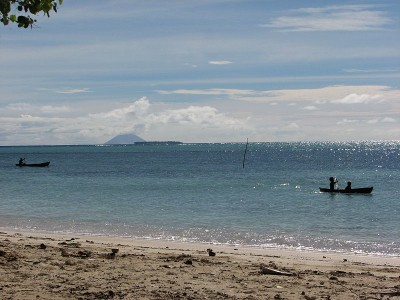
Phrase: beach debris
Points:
(110, 255)
(79, 254)
(69, 262)
(101, 295)
(265, 270)
(70, 243)
(64, 253)
(42, 246)
(310, 297)
(337, 273)
(390, 294)
(8, 256)
(211, 252)
(333, 278)
(188, 262)
(181, 257)
(166, 266)
(84, 254)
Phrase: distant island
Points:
(159, 143)
(130, 138)
(125, 139)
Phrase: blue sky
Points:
(203, 71)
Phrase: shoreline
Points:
(230, 248)
(226, 248)
(57, 266)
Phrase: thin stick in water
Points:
(245, 151)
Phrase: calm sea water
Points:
(202, 193)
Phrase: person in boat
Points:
(21, 161)
(348, 187)
(333, 182)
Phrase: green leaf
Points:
(26, 7)
(4, 21)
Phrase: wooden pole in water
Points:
(245, 151)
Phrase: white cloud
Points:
(310, 107)
(137, 109)
(359, 99)
(382, 120)
(231, 92)
(204, 116)
(388, 120)
(19, 107)
(347, 121)
(27, 117)
(191, 65)
(142, 117)
(330, 94)
(73, 91)
(27, 107)
(370, 70)
(332, 18)
(220, 62)
(292, 126)
(54, 109)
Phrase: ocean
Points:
(202, 193)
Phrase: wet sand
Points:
(44, 266)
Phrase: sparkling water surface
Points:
(202, 193)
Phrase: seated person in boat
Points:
(348, 187)
(21, 161)
(333, 183)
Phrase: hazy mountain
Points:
(124, 139)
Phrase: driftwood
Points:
(269, 271)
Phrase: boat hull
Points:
(40, 165)
(365, 190)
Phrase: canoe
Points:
(364, 190)
(44, 164)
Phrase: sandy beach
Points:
(44, 266)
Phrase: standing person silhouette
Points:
(333, 182)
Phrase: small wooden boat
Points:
(40, 165)
(364, 190)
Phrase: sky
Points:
(203, 71)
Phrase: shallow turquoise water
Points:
(201, 192)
